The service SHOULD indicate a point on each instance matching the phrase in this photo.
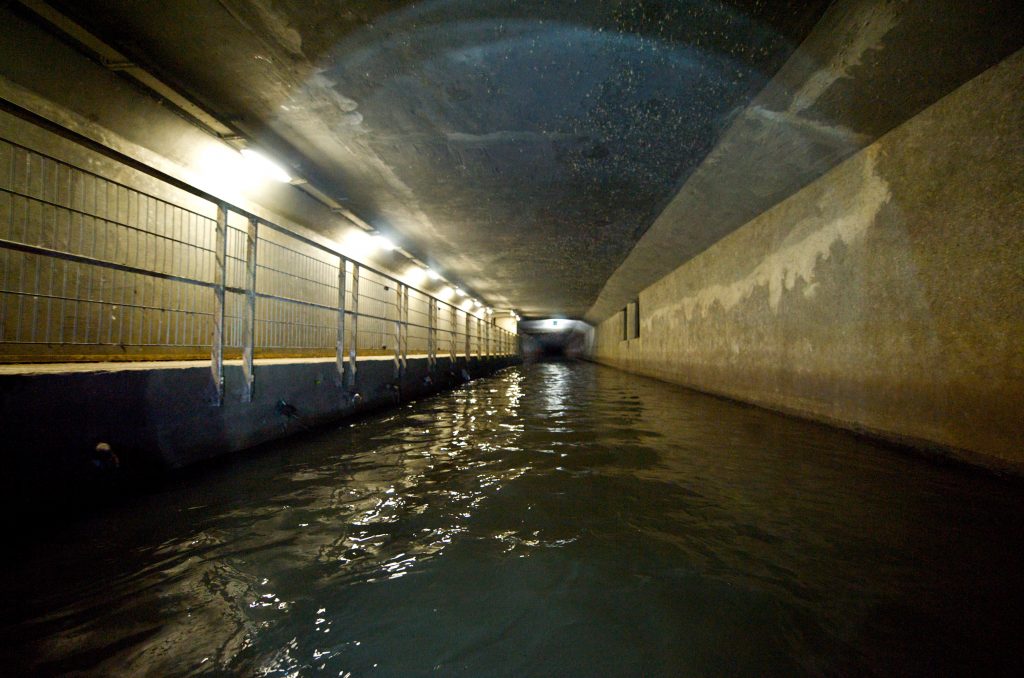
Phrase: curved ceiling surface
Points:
(522, 148)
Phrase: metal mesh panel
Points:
(67, 221)
(419, 322)
(291, 268)
(460, 332)
(298, 289)
(52, 301)
(284, 324)
(92, 268)
(50, 204)
(377, 313)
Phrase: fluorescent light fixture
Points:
(433, 275)
(358, 244)
(264, 167)
(414, 275)
(384, 243)
(458, 291)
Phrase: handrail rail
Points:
(160, 175)
(163, 229)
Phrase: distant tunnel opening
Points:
(555, 339)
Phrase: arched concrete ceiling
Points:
(866, 67)
(559, 156)
(520, 147)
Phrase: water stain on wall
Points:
(842, 214)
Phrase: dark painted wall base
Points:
(165, 417)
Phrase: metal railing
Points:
(92, 268)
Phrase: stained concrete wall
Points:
(52, 309)
(886, 296)
(47, 76)
(160, 416)
(865, 68)
(60, 195)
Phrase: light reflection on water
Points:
(562, 519)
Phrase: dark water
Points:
(556, 520)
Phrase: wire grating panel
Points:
(92, 268)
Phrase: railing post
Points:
(479, 339)
(249, 314)
(431, 333)
(220, 273)
(452, 327)
(405, 328)
(398, 330)
(340, 348)
(468, 354)
(352, 353)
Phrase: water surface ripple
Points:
(556, 520)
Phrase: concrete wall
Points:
(866, 67)
(161, 416)
(61, 195)
(53, 309)
(47, 76)
(886, 296)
